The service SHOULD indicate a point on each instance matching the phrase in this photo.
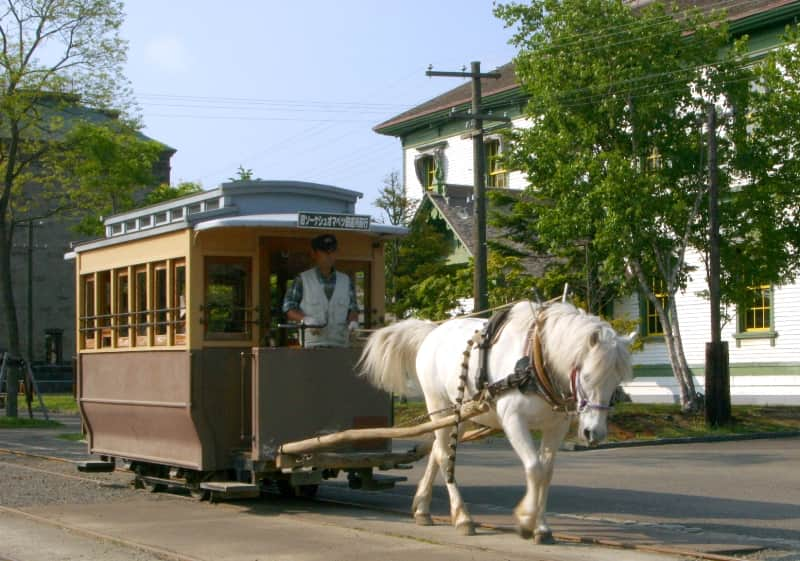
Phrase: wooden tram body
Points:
(182, 369)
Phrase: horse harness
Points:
(530, 376)
(530, 372)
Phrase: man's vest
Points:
(333, 312)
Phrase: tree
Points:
(165, 192)
(242, 174)
(399, 210)
(54, 55)
(617, 102)
(110, 164)
(426, 285)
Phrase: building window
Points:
(497, 174)
(654, 161)
(428, 173)
(651, 322)
(227, 306)
(756, 313)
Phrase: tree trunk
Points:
(10, 313)
(674, 361)
(690, 403)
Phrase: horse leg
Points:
(551, 440)
(527, 511)
(422, 498)
(458, 510)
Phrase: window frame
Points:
(647, 310)
(122, 318)
(88, 307)
(742, 312)
(247, 333)
(496, 175)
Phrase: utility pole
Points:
(718, 394)
(479, 284)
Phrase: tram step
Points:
(231, 489)
(95, 466)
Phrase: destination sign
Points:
(328, 221)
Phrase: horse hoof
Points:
(543, 538)
(524, 533)
(423, 520)
(466, 528)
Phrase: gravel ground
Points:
(24, 482)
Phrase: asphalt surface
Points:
(729, 497)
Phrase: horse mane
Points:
(564, 323)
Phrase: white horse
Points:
(582, 354)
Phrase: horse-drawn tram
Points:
(186, 368)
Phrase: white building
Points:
(763, 337)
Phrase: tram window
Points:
(122, 318)
(140, 305)
(104, 303)
(227, 297)
(160, 303)
(179, 302)
(89, 321)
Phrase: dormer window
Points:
(429, 173)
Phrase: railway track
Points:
(174, 556)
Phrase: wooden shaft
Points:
(469, 410)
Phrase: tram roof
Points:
(238, 204)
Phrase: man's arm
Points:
(292, 299)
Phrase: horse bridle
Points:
(546, 384)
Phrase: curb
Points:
(573, 447)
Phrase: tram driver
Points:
(323, 299)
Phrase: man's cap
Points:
(325, 242)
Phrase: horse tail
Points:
(388, 360)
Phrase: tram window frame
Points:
(246, 262)
(160, 303)
(122, 308)
(179, 296)
(104, 298)
(140, 313)
(89, 323)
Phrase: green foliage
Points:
(165, 192)
(761, 225)
(616, 158)
(427, 286)
(242, 174)
(399, 210)
(111, 163)
(58, 57)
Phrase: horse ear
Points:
(594, 338)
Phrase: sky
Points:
(292, 89)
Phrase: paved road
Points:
(712, 497)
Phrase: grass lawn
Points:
(71, 436)
(636, 421)
(23, 422)
(55, 403)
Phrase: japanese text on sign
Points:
(333, 221)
